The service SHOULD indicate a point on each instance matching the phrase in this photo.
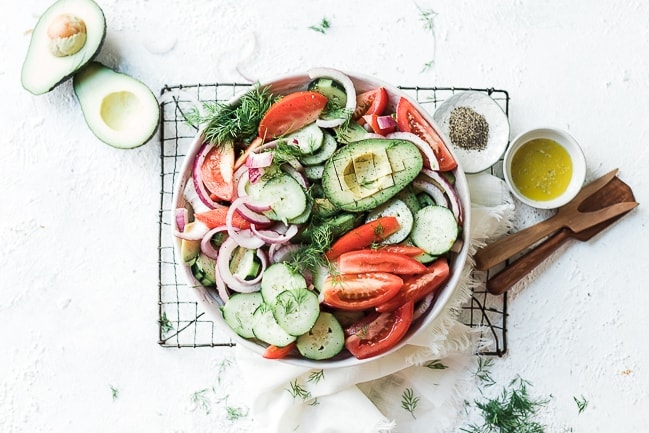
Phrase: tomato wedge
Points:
(418, 287)
(382, 334)
(216, 218)
(217, 171)
(363, 236)
(276, 352)
(360, 291)
(369, 260)
(292, 112)
(408, 250)
(410, 120)
(370, 102)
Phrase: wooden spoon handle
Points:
(506, 247)
(512, 273)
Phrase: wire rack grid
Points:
(182, 321)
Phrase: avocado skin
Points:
(31, 59)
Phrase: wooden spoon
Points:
(569, 215)
(614, 192)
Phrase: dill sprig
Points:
(165, 323)
(316, 376)
(436, 365)
(582, 403)
(482, 373)
(285, 152)
(310, 257)
(322, 27)
(511, 412)
(427, 16)
(114, 392)
(409, 401)
(237, 122)
(201, 400)
(298, 391)
(234, 413)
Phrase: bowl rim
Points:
(565, 140)
(210, 301)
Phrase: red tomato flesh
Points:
(275, 352)
(360, 291)
(370, 102)
(216, 218)
(369, 260)
(364, 236)
(408, 250)
(294, 111)
(418, 287)
(410, 120)
(381, 334)
(217, 171)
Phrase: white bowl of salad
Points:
(322, 218)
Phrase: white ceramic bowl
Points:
(212, 303)
(577, 158)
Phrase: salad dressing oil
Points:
(541, 169)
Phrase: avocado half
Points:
(67, 36)
(119, 109)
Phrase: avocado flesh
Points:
(364, 174)
(119, 109)
(42, 71)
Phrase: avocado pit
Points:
(67, 34)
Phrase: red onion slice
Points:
(206, 243)
(243, 238)
(422, 307)
(430, 160)
(259, 160)
(273, 237)
(350, 92)
(223, 268)
(386, 122)
(202, 192)
(193, 232)
(454, 200)
(434, 191)
(182, 215)
(280, 252)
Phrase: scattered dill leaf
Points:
(285, 152)
(202, 401)
(409, 401)
(582, 403)
(316, 376)
(482, 373)
(427, 16)
(223, 365)
(322, 27)
(298, 391)
(114, 392)
(310, 257)
(165, 323)
(234, 413)
(238, 122)
(436, 365)
(512, 411)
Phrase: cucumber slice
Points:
(329, 146)
(399, 209)
(314, 172)
(325, 340)
(304, 216)
(308, 139)
(204, 270)
(435, 230)
(277, 278)
(238, 312)
(296, 311)
(266, 328)
(284, 195)
(334, 91)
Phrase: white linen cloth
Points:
(368, 398)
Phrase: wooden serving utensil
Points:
(616, 191)
(570, 215)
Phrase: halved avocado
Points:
(119, 109)
(67, 36)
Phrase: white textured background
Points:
(78, 219)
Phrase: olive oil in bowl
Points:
(544, 168)
(541, 169)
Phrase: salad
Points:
(325, 218)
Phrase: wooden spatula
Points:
(614, 192)
(570, 215)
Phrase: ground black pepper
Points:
(468, 129)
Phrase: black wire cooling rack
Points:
(182, 321)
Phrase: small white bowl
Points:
(577, 158)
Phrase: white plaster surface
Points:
(78, 219)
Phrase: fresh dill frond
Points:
(298, 391)
(285, 152)
(316, 376)
(114, 392)
(427, 16)
(234, 413)
(201, 400)
(310, 257)
(409, 401)
(165, 323)
(482, 373)
(233, 123)
(582, 403)
(322, 27)
(512, 411)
